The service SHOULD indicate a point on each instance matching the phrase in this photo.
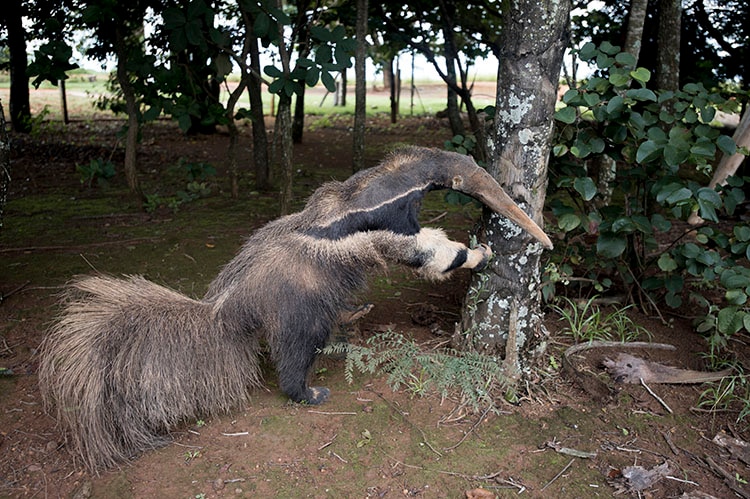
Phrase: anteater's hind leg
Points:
(297, 348)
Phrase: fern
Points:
(472, 376)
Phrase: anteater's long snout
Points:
(481, 186)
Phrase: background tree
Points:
(501, 314)
(19, 109)
(4, 164)
(360, 89)
(668, 45)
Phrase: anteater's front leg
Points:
(433, 254)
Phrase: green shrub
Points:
(630, 165)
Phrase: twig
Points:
(328, 443)
(332, 413)
(79, 246)
(238, 434)
(3, 297)
(444, 472)
(340, 458)
(466, 435)
(671, 444)
(559, 474)
(664, 404)
(407, 421)
(689, 482)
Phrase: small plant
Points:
(729, 393)
(97, 170)
(462, 144)
(197, 172)
(473, 376)
(192, 454)
(586, 322)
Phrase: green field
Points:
(84, 89)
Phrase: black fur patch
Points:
(459, 260)
(400, 216)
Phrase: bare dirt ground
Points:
(367, 441)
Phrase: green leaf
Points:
(704, 148)
(667, 263)
(642, 94)
(568, 222)
(566, 115)
(660, 223)
(619, 79)
(311, 76)
(585, 187)
(273, 72)
(276, 86)
(328, 81)
(625, 58)
(730, 320)
(647, 151)
(726, 144)
(261, 25)
(559, 150)
(588, 51)
(321, 33)
(608, 48)
(707, 114)
(641, 74)
(570, 95)
(741, 232)
(591, 99)
(735, 296)
(615, 104)
(610, 245)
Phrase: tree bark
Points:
(131, 109)
(634, 34)
(286, 148)
(668, 45)
(391, 79)
(20, 110)
(260, 136)
(4, 164)
(298, 121)
(360, 88)
(502, 313)
(449, 50)
(728, 165)
(234, 136)
(342, 99)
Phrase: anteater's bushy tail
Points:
(129, 359)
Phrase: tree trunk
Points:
(260, 136)
(636, 20)
(4, 164)
(668, 45)
(131, 109)
(502, 313)
(449, 50)
(20, 110)
(360, 88)
(728, 165)
(394, 89)
(63, 101)
(286, 148)
(342, 100)
(298, 122)
(234, 136)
